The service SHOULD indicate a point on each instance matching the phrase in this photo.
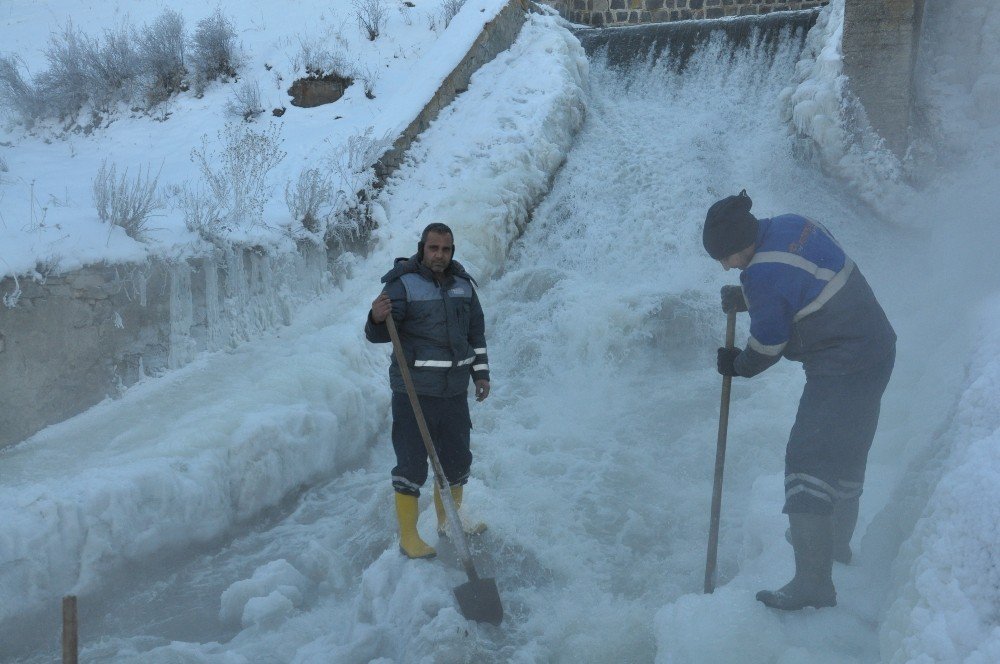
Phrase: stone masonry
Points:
(880, 45)
(623, 12)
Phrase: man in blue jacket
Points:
(808, 302)
(440, 321)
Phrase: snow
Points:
(238, 509)
(272, 592)
(48, 215)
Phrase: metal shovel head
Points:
(479, 600)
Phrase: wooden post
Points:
(70, 650)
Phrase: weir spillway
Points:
(594, 455)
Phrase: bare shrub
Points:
(237, 176)
(18, 96)
(201, 211)
(161, 52)
(368, 75)
(308, 200)
(214, 53)
(352, 222)
(112, 67)
(123, 66)
(124, 202)
(449, 9)
(81, 70)
(245, 102)
(65, 85)
(317, 60)
(372, 16)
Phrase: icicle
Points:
(182, 345)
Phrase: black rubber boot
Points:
(812, 540)
(845, 519)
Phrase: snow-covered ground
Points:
(48, 215)
(239, 509)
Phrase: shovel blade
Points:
(479, 600)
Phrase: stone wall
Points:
(879, 45)
(622, 12)
(880, 41)
(69, 341)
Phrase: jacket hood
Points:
(404, 265)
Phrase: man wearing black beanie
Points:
(808, 302)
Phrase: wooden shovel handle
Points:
(451, 511)
(720, 463)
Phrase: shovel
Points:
(720, 463)
(478, 599)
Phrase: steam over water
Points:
(607, 318)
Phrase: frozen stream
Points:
(594, 454)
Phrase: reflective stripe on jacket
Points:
(441, 328)
(809, 302)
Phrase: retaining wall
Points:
(497, 36)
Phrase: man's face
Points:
(740, 260)
(438, 248)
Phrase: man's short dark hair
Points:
(436, 227)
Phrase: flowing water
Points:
(594, 455)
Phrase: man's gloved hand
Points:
(725, 362)
(732, 299)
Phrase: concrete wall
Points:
(68, 342)
(497, 36)
(880, 46)
(71, 340)
(599, 13)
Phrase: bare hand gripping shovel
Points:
(720, 463)
(478, 599)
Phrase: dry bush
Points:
(245, 102)
(372, 16)
(309, 200)
(237, 176)
(124, 202)
(161, 52)
(214, 50)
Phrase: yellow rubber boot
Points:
(456, 494)
(409, 539)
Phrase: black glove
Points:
(732, 299)
(726, 361)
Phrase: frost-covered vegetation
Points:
(125, 202)
(95, 103)
(90, 79)
(138, 67)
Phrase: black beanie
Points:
(729, 226)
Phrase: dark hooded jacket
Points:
(441, 328)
